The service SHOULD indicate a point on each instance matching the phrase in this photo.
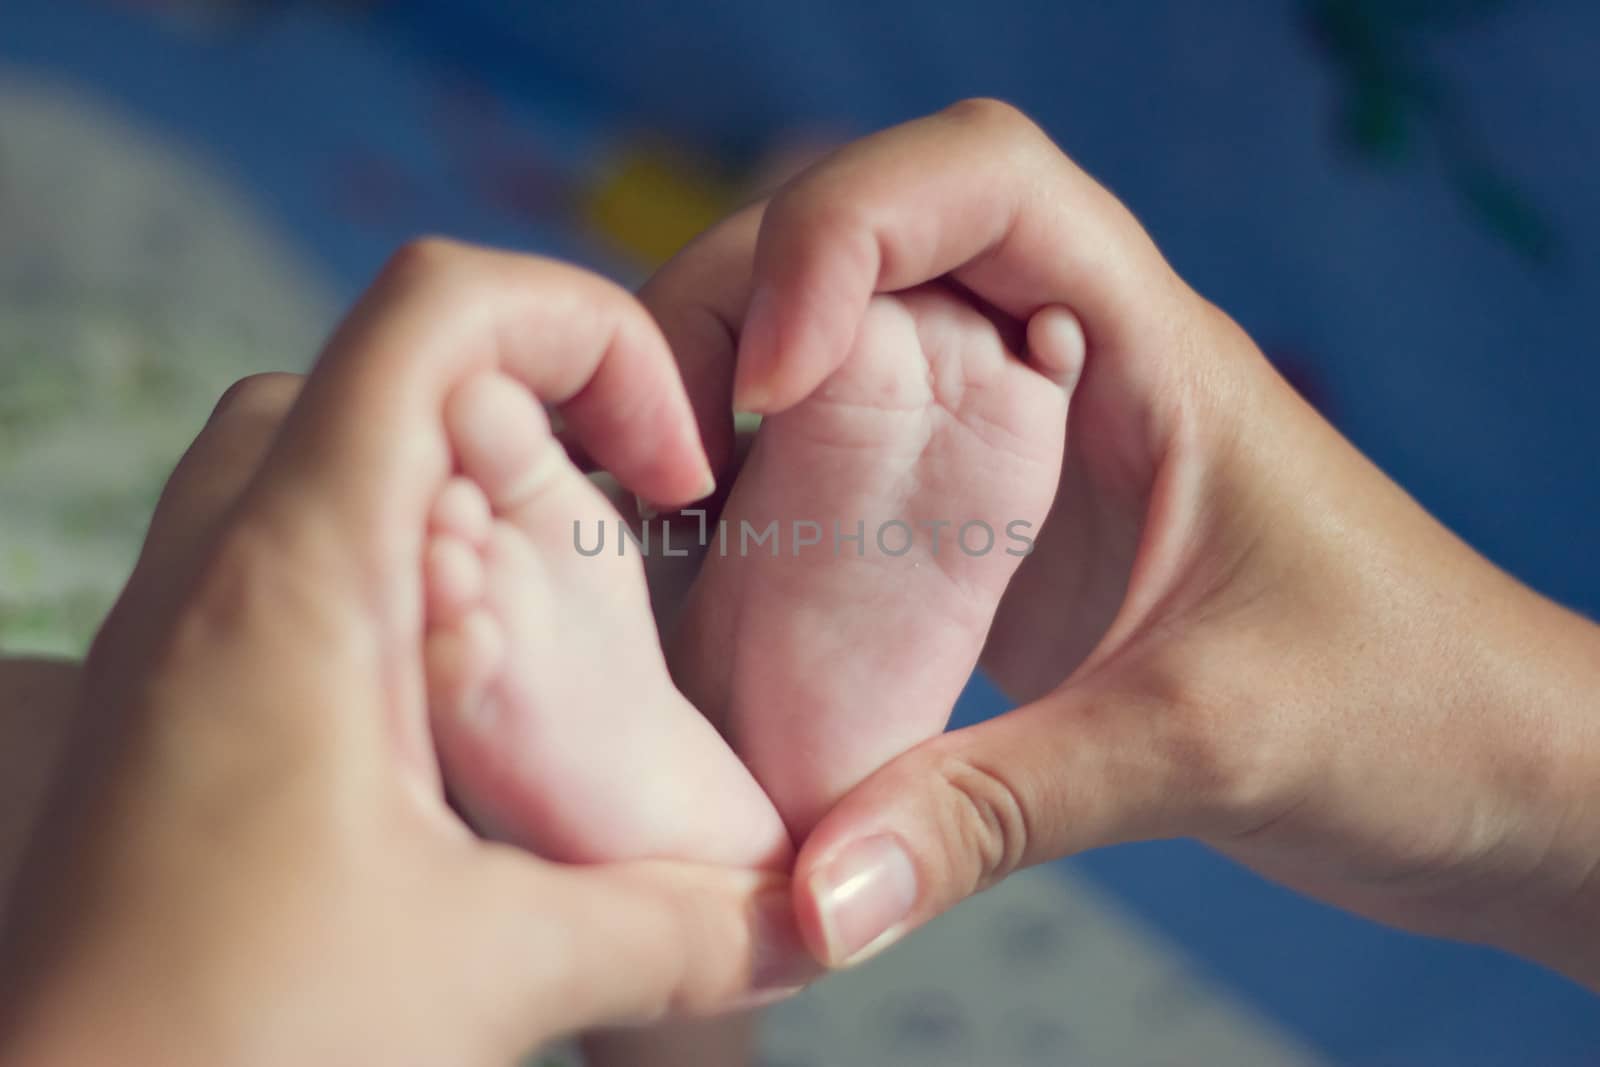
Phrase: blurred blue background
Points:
(1398, 200)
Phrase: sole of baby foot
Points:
(557, 724)
(905, 491)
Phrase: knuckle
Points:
(826, 220)
(697, 989)
(1227, 756)
(258, 397)
(582, 292)
(424, 260)
(817, 207)
(997, 116)
(798, 210)
(231, 584)
(718, 253)
(988, 820)
(1007, 132)
(242, 425)
(250, 580)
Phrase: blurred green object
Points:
(135, 286)
(1397, 104)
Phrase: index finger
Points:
(699, 300)
(976, 192)
(366, 439)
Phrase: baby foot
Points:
(906, 490)
(555, 718)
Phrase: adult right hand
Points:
(249, 857)
(1233, 628)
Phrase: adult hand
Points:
(256, 862)
(37, 698)
(1233, 626)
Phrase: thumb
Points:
(962, 811)
(563, 948)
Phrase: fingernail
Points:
(757, 349)
(751, 398)
(864, 897)
(708, 485)
(752, 1001)
(646, 510)
(780, 964)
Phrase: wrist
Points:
(1448, 770)
(1521, 761)
(1559, 908)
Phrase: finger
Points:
(366, 443)
(977, 192)
(205, 485)
(37, 702)
(1056, 346)
(964, 810)
(699, 301)
(571, 948)
(218, 465)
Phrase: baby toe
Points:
(504, 445)
(454, 580)
(461, 661)
(462, 511)
(502, 440)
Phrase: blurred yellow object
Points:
(650, 201)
